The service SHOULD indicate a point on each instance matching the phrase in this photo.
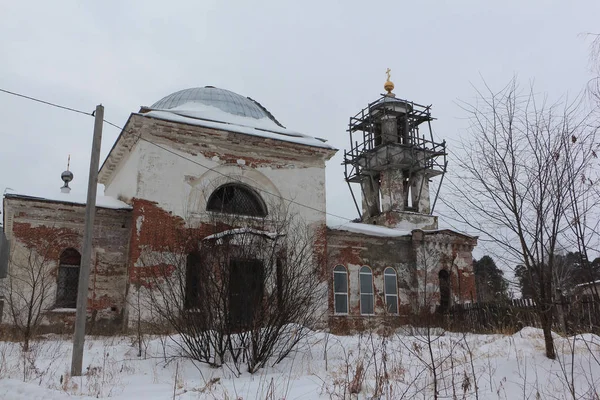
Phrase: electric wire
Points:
(47, 103)
(173, 152)
(225, 175)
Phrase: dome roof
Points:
(222, 99)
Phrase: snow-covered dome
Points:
(221, 109)
(211, 96)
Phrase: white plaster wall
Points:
(124, 183)
(182, 187)
(171, 181)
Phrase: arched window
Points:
(192, 281)
(68, 278)
(340, 289)
(236, 199)
(390, 284)
(444, 277)
(366, 291)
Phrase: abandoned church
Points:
(204, 169)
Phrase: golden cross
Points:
(388, 73)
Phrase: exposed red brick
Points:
(49, 240)
(353, 249)
(147, 276)
(50, 227)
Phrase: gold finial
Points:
(388, 85)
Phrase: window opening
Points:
(366, 291)
(68, 278)
(390, 283)
(409, 195)
(340, 289)
(444, 277)
(236, 199)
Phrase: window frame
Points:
(337, 270)
(65, 264)
(367, 271)
(247, 190)
(393, 275)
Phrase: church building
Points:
(200, 156)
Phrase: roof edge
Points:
(72, 203)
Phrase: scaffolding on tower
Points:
(407, 148)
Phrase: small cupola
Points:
(66, 176)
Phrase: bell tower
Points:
(393, 158)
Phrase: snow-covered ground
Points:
(324, 367)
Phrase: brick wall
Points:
(416, 258)
(48, 228)
(353, 250)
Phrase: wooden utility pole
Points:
(86, 257)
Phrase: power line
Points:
(47, 102)
(227, 176)
(172, 152)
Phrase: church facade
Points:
(211, 164)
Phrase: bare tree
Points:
(514, 181)
(594, 83)
(425, 271)
(237, 288)
(30, 286)
(429, 297)
(583, 212)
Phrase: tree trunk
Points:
(546, 309)
(546, 317)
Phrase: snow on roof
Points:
(372, 230)
(239, 231)
(448, 230)
(101, 201)
(587, 283)
(377, 230)
(212, 117)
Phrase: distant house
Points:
(588, 289)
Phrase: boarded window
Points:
(366, 291)
(340, 289)
(236, 199)
(68, 279)
(390, 283)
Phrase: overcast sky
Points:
(312, 64)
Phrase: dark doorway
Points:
(192, 281)
(245, 292)
(444, 290)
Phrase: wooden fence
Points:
(570, 315)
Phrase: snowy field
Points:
(324, 367)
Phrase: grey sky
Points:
(312, 64)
